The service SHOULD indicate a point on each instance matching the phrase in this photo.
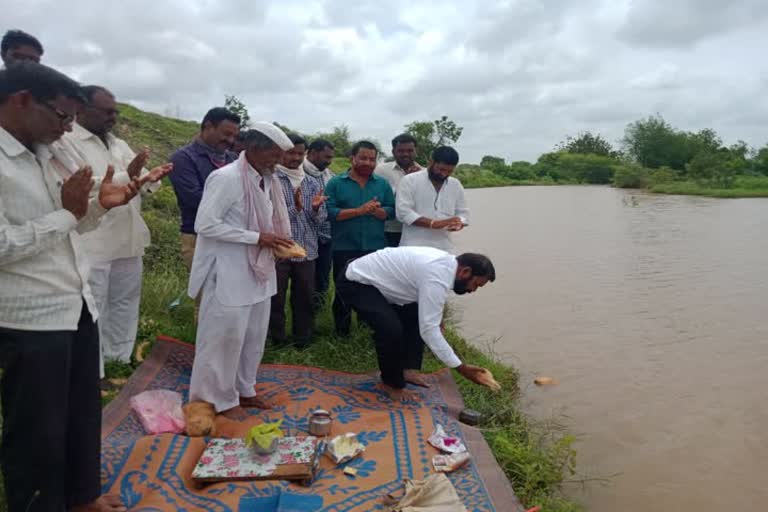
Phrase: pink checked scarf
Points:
(261, 260)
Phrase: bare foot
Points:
(255, 402)
(400, 395)
(236, 413)
(416, 378)
(102, 504)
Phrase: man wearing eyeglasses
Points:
(49, 345)
(117, 246)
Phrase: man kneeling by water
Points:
(400, 293)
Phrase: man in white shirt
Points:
(242, 217)
(400, 292)
(49, 346)
(404, 152)
(431, 203)
(116, 247)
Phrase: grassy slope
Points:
(535, 460)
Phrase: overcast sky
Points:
(517, 75)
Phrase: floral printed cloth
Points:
(231, 459)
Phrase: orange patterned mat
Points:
(152, 473)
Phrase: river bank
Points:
(537, 460)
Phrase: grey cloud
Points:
(518, 75)
(683, 23)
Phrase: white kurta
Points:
(234, 312)
(417, 197)
(116, 247)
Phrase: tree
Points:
(489, 161)
(431, 134)
(759, 162)
(717, 168)
(586, 143)
(233, 104)
(340, 138)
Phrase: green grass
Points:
(744, 186)
(536, 459)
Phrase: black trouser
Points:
(399, 345)
(302, 277)
(51, 449)
(342, 315)
(322, 273)
(393, 238)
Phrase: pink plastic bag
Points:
(159, 411)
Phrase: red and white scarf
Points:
(262, 260)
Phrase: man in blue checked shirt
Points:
(306, 209)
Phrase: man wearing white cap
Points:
(242, 217)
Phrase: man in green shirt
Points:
(358, 204)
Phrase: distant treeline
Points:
(652, 152)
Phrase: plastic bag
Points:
(159, 411)
(445, 443)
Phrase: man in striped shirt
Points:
(49, 344)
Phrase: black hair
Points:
(256, 139)
(297, 139)
(42, 82)
(217, 115)
(89, 91)
(15, 38)
(404, 138)
(445, 155)
(320, 145)
(480, 265)
(363, 144)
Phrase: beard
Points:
(459, 287)
(436, 176)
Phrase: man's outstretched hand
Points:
(112, 195)
(156, 174)
(478, 375)
(138, 163)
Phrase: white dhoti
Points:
(228, 349)
(116, 287)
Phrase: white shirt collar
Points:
(10, 145)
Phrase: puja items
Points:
(445, 443)
(286, 253)
(487, 380)
(448, 463)
(263, 438)
(295, 458)
(320, 422)
(200, 419)
(159, 411)
(344, 448)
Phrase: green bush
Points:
(630, 176)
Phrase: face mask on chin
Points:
(364, 170)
